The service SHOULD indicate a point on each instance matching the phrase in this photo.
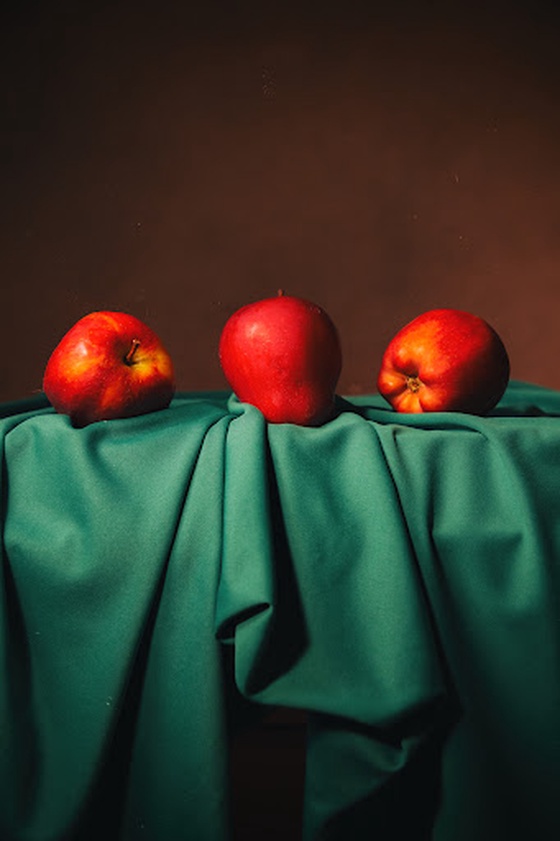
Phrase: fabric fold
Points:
(97, 523)
(314, 530)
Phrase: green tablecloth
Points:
(396, 576)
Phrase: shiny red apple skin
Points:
(108, 365)
(444, 360)
(282, 354)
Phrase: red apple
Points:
(283, 355)
(444, 360)
(109, 365)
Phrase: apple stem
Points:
(129, 358)
(280, 293)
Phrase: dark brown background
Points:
(177, 160)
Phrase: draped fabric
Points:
(395, 576)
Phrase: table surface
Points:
(168, 576)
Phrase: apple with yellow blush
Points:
(444, 360)
(108, 365)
